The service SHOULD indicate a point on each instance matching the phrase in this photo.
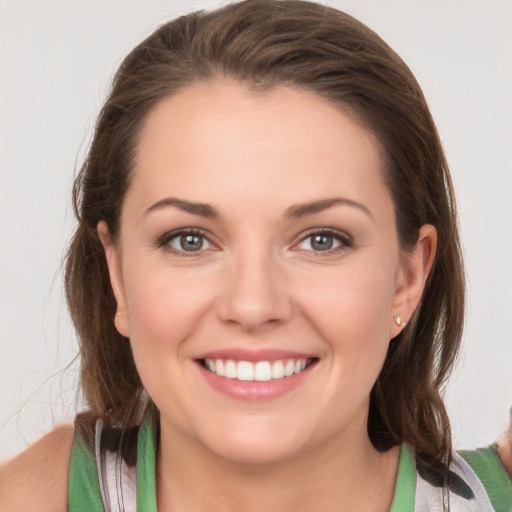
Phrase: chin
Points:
(256, 445)
(254, 453)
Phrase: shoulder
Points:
(37, 479)
(504, 449)
(489, 469)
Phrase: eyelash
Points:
(165, 240)
(346, 242)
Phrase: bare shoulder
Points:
(505, 450)
(37, 479)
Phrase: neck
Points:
(191, 478)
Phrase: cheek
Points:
(352, 299)
(163, 306)
(351, 310)
(166, 307)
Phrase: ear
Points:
(115, 271)
(411, 278)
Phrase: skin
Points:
(37, 479)
(252, 157)
(505, 447)
(258, 284)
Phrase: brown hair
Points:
(263, 43)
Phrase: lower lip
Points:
(255, 390)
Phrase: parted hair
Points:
(263, 44)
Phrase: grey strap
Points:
(118, 481)
(432, 498)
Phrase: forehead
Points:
(221, 141)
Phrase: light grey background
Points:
(57, 58)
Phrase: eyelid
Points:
(163, 241)
(346, 241)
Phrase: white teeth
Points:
(219, 367)
(278, 370)
(262, 371)
(244, 370)
(289, 367)
(230, 370)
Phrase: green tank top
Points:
(116, 472)
(134, 451)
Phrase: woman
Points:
(266, 281)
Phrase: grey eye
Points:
(321, 242)
(325, 240)
(188, 242)
(191, 242)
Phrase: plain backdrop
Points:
(56, 61)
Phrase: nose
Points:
(255, 294)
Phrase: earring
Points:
(399, 321)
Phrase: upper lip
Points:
(244, 354)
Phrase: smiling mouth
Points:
(261, 371)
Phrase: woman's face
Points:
(258, 270)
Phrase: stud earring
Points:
(399, 321)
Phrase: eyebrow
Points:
(201, 209)
(300, 210)
(294, 212)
